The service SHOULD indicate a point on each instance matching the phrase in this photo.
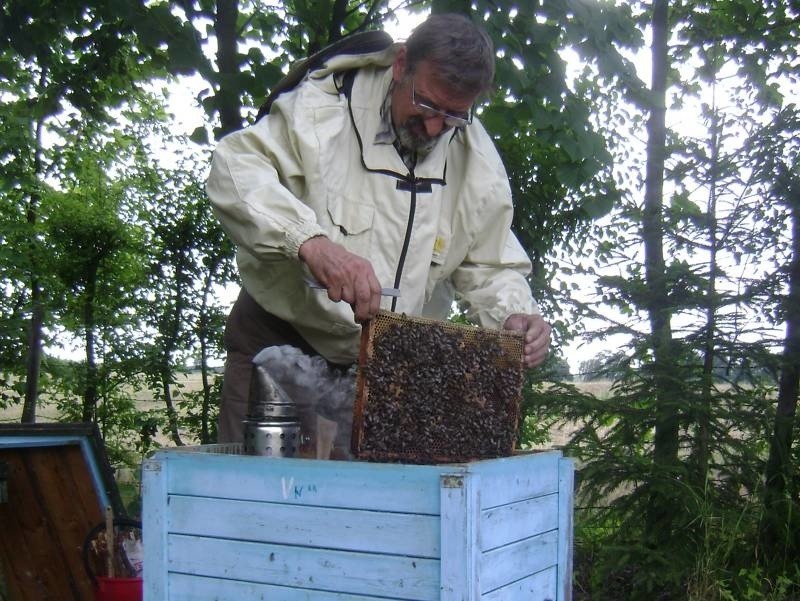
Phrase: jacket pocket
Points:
(438, 271)
(352, 224)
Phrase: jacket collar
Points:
(367, 96)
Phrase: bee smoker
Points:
(271, 427)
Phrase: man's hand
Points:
(537, 336)
(346, 276)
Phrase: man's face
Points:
(423, 108)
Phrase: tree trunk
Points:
(203, 335)
(33, 361)
(227, 97)
(205, 433)
(658, 525)
(451, 6)
(90, 391)
(338, 15)
(170, 331)
(703, 436)
(172, 415)
(779, 525)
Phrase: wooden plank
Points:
(154, 530)
(44, 471)
(344, 484)
(511, 563)
(541, 586)
(344, 529)
(310, 530)
(60, 477)
(460, 577)
(100, 495)
(185, 587)
(45, 431)
(79, 478)
(44, 523)
(511, 479)
(35, 441)
(70, 502)
(15, 515)
(565, 528)
(306, 568)
(510, 523)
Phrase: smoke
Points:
(316, 389)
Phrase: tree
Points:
(98, 258)
(778, 157)
(667, 387)
(684, 431)
(58, 60)
(255, 42)
(605, 365)
(767, 69)
(189, 256)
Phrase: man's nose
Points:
(434, 125)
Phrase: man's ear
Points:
(399, 64)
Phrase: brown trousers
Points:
(248, 330)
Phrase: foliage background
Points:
(653, 150)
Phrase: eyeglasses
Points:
(427, 108)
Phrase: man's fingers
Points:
(537, 337)
(535, 353)
(335, 293)
(346, 276)
(361, 291)
(368, 298)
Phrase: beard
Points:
(413, 136)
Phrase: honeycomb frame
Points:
(465, 408)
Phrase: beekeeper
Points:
(372, 173)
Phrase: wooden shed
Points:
(55, 482)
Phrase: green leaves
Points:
(126, 248)
(684, 208)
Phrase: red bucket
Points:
(125, 586)
(118, 589)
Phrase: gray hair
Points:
(461, 51)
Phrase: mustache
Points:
(414, 136)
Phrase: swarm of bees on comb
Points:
(436, 392)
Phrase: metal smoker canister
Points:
(271, 428)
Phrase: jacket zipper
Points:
(407, 239)
(410, 179)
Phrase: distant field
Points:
(192, 382)
(598, 388)
(46, 412)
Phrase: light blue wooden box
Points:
(221, 526)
